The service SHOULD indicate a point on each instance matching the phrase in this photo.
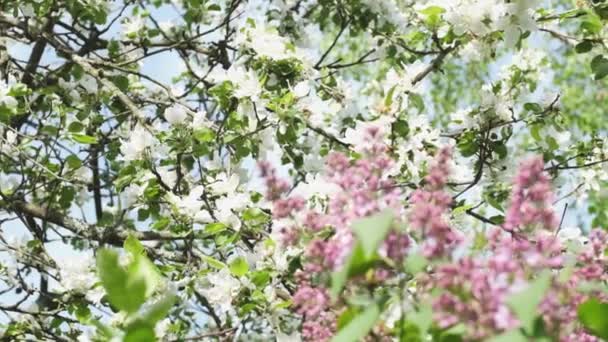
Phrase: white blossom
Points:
(176, 114)
(6, 99)
(189, 205)
(225, 184)
(89, 83)
(228, 206)
(301, 89)
(220, 291)
(315, 185)
(264, 42)
(140, 140)
(246, 82)
(571, 233)
(132, 26)
(167, 175)
(78, 275)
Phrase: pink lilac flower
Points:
(531, 198)
(366, 190)
(311, 301)
(475, 287)
(429, 208)
(559, 307)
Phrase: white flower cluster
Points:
(78, 275)
(482, 17)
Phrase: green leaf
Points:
(401, 128)
(133, 246)
(584, 46)
(75, 127)
(73, 161)
(388, 100)
(143, 214)
(204, 134)
(127, 288)
(161, 224)
(142, 270)
(433, 10)
(415, 263)
(599, 66)
(467, 144)
(83, 314)
(354, 264)
(213, 262)
(423, 317)
(592, 23)
(215, 227)
(103, 331)
(346, 317)
(84, 139)
(115, 281)
(510, 336)
(359, 326)
(372, 230)
(140, 333)
(533, 107)
(18, 89)
(433, 14)
(417, 101)
(501, 150)
(159, 309)
(594, 316)
(524, 303)
(122, 82)
(497, 219)
(535, 132)
(461, 209)
(239, 267)
(260, 278)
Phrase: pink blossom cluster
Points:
(364, 191)
(429, 208)
(531, 199)
(559, 307)
(311, 300)
(474, 288)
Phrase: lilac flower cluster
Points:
(531, 198)
(365, 190)
(474, 288)
(429, 208)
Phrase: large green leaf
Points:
(525, 303)
(422, 318)
(372, 230)
(127, 288)
(143, 271)
(140, 333)
(122, 294)
(594, 316)
(510, 336)
(133, 246)
(359, 326)
(356, 263)
(415, 263)
(160, 309)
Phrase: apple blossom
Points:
(303, 170)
